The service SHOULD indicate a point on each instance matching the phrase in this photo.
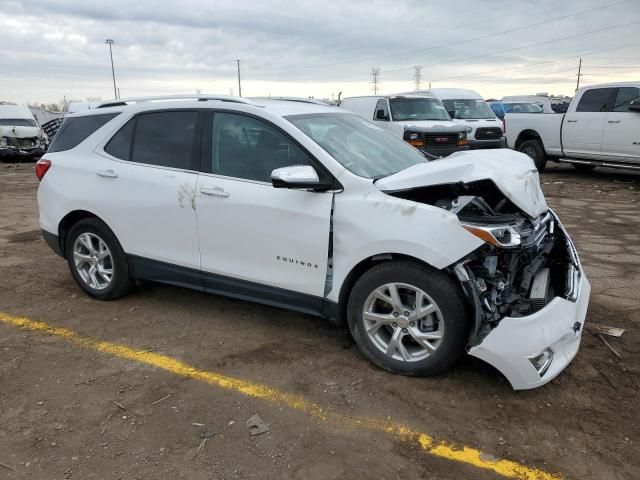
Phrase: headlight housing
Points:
(503, 236)
(4, 142)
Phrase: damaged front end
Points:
(525, 282)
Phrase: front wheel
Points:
(535, 150)
(97, 261)
(408, 319)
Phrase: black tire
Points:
(581, 167)
(535, 150)
(122, 281)
(446, 293)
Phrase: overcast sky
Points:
(50, 49)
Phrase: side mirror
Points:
(634, 105)
(303, 177)
(380, 115)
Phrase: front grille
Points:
(443, 140)
(488, 133)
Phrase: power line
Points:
(474, 57)
(375, 80)
(461, 42)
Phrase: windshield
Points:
(360, 146)
(522, 108)
(468, 108)
(417, 109)
(17, 122)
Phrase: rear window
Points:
(75, 130)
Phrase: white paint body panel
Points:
(621, 136)
(254, 232)
(514, 174)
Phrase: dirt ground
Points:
(57, 419)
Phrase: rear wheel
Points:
(535, 150)
(408, 319)
(96, 260)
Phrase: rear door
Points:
(622, 130)
(259, 242)
(147, 187)
(583, 128)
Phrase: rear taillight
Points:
(42, 166)
(504, 125)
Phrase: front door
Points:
(622, 130)
(259, 242)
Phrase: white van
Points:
(420, 120)
(468, 108)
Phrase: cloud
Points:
(54, 48)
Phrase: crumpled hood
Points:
(514, 173)
(20, 132)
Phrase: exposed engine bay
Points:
(524, 263)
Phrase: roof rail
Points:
(294, 99)
(163, 98)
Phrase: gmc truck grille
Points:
(440, 140)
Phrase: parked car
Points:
(501, 108)
(20, 135)
(420, 120)
(468, 108)
(600, 128)
(549, 104)
(315, 209)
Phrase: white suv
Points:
(315, 209)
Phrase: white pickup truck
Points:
(601, 128)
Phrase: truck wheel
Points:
(409, 319)
(96, 260)
(535, 150)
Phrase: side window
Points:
(243, 147)
(624, 97)
(165, 139)
(75, 130)
(120, 144)
(381, 105)
(594, 100)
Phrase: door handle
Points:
(214, 191)
(107, 173)
(613, 121)
(572, 121)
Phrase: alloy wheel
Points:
(93, 261)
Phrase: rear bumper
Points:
(444, 151)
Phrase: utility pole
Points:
(375, 80)
(579, 74)
(417, 76)
(110, 42)
(239, 87)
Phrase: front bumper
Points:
(8, 152)
(478, 144)
(556, 327)
(444, 151)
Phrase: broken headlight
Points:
(3, 142)
(498, 235)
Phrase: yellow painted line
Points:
(437, 448)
